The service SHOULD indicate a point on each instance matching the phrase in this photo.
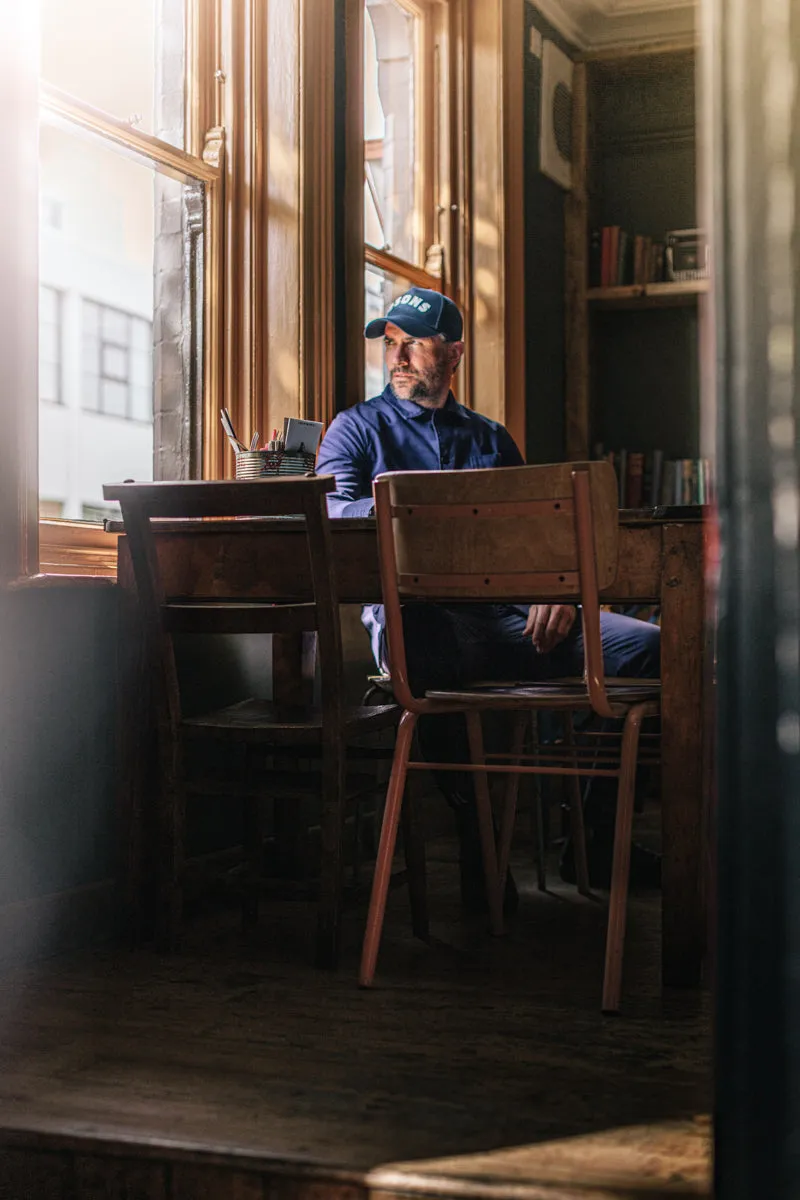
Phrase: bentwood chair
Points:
(529, 534)
(257, 725)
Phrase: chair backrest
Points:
(162, 615)
(528, 534)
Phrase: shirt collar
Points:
(412, 411)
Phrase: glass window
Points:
(97, 279)
(381, 288)
(104, 52)
(391, 182)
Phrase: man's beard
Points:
(427, 386)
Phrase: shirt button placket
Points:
(445, 449)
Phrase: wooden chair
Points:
(324, 730)
(528, 534)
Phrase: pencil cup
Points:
(255, 464)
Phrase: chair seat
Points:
(557, 693)
(262, 721)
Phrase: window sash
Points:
(57, 536)
(170, 160)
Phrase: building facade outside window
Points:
(50, 345)
(117, 368)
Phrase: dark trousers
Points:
(449, 646)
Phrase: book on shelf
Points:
(622, 475)
(618, 258)
(647, 480)
(634, 480)
(596, 258)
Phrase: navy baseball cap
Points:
(422, 313)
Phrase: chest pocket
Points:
(478, 459)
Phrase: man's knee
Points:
(631, 648)
(645, 653)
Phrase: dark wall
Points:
(59, 820)
(645, 383)
(544, 269)
(57, 740)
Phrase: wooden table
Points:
(661, 561)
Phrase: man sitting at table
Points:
(417, 424)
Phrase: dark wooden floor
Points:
(477, 1051)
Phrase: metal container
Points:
(256, 464)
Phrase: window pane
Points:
(104, 52)
(114, 363)
(380, 290)
(390, 114)
(114, 326)
(102, 268)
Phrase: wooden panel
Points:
(289, 1187)
(639, 573)
(282, 396)
(682, 613)
(34, 1175)
(191, 564)
(192, 1181)
(319, 266)
(503, 546)
(107, 1178)
(514, 216)
(352, 386)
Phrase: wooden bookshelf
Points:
(631, 381)
(648, 295)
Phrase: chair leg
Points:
(485, 825)
(254, 850)
(332, 836)
(383, 864)
(537, 817)
(414, 851)
(620, 870)
(576, 825)
(510, 799)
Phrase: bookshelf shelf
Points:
(648, 295)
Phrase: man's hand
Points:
(549, 624)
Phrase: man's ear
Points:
(457, 351)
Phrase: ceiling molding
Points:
(603, 24)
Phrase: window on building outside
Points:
(117, 372)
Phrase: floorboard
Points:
(476, 1066)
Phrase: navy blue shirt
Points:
(391, 434)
